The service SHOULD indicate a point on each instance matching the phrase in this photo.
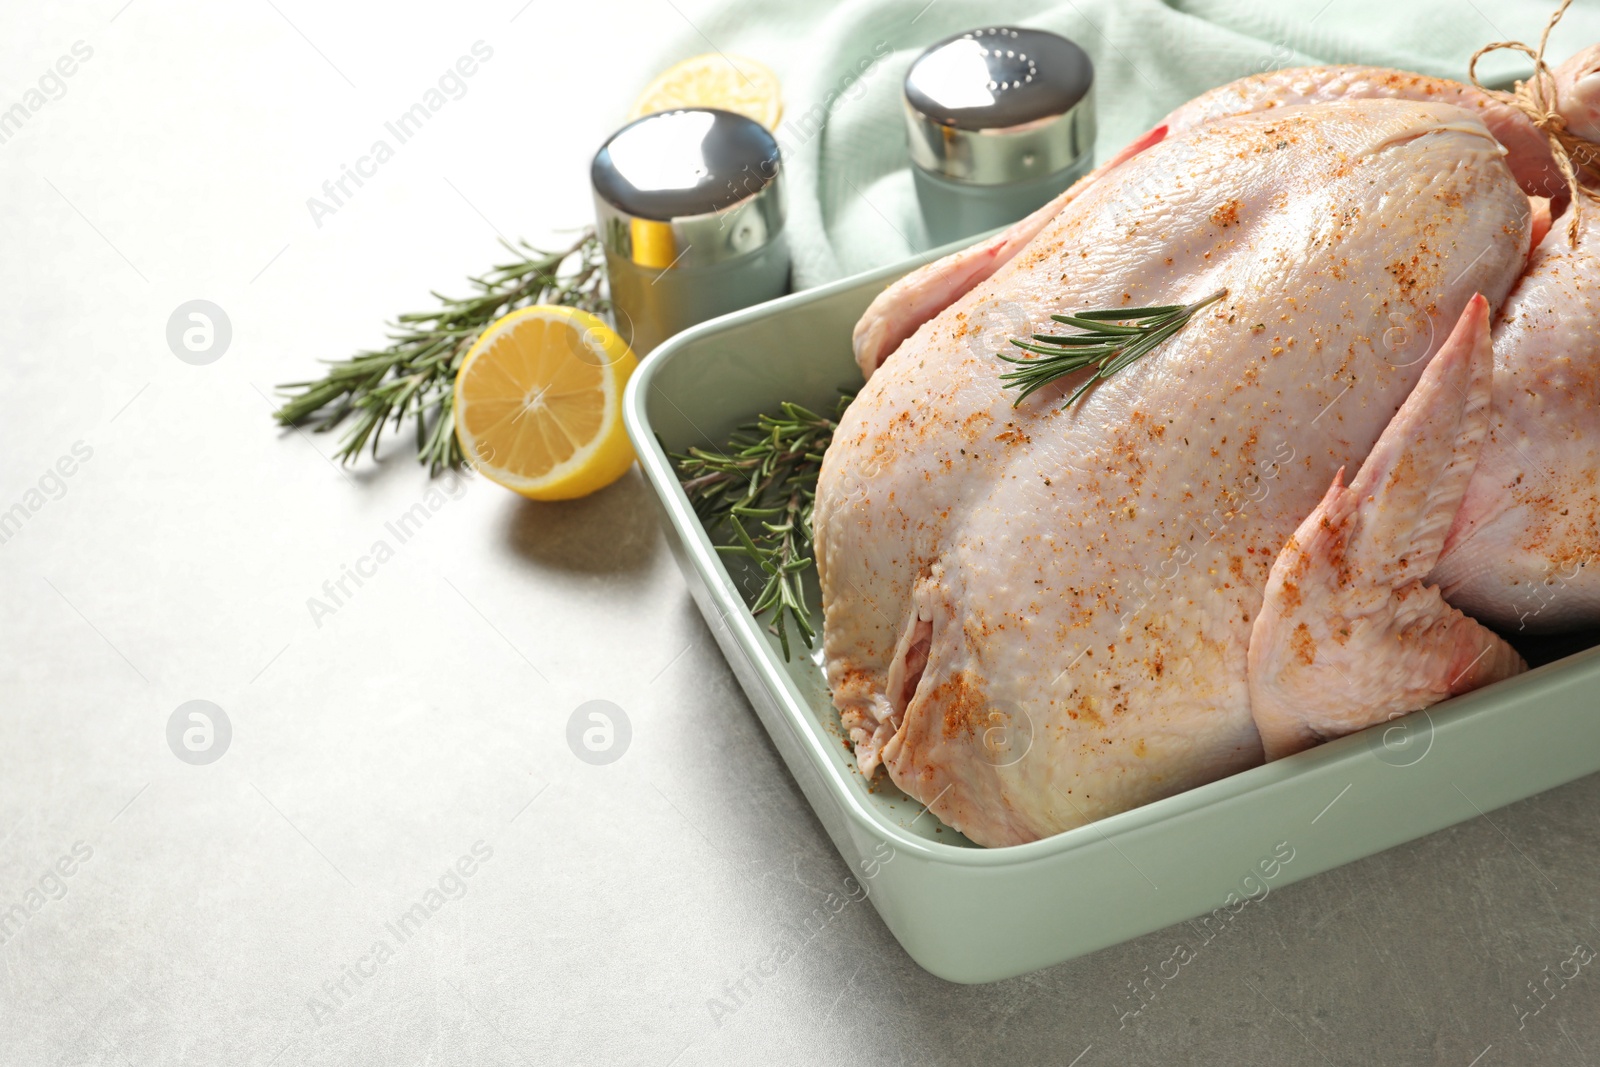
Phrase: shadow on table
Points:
(613, 531)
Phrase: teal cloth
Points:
(851, 202)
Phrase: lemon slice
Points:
(538, 403)
(732, 83)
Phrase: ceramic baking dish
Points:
(970, 914)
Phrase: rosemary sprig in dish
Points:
(414, 377)
(1111, 340)
(755, 499)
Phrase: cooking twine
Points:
(1575, 157)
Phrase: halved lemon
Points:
(731, 83)
(538, 403)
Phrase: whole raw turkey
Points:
(1040, 615)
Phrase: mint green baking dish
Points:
(969, 914)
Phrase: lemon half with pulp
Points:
(731, 83)
(538, 403)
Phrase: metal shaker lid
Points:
(688, 188)
(1000, 104)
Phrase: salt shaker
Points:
(1000, 120)
(689, 206)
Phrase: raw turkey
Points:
(1039, 615)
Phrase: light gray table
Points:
(154, 911)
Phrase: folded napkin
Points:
(850, 196)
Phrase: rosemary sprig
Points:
(1108, 343)
(755, 499)
(414, 377)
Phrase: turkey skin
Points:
(1036, 615)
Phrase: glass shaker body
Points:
(652, 303)
(952, 210)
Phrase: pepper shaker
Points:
(689, 207)
(1000, 120)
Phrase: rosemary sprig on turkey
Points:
(754, 497)
(1110, 340)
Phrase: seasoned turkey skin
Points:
(1037, 617)
(1524, 553)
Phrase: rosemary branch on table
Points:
(1110, 340)
(755, 498)
(414, 376)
